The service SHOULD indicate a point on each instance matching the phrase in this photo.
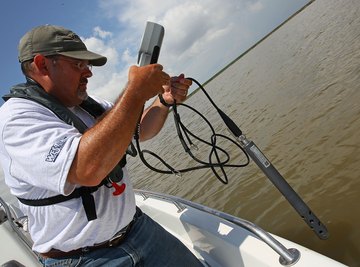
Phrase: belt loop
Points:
(138, 213)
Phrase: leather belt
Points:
(112, 242)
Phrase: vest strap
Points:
(83, 192)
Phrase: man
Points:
(63, 156)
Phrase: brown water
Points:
(297, 96)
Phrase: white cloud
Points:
(101, 33)
(201, 36)
(107, 80)
(255, 6)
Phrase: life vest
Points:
(33, 91)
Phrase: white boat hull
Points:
(219, 242)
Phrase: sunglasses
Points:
(80, 64)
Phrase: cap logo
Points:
(73, 36)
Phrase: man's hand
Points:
(147, 81)
(177, 90)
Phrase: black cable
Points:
(216, 151)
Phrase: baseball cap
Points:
(55, 40)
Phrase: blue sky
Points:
(201, 36)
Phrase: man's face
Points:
(69, 77)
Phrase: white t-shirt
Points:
(36, 152)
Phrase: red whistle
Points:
(119, 189)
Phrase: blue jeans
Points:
(146, 245)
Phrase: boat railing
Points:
(288, 257)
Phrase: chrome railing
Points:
(288, 257)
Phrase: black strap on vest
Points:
(32, 91)
(84, 192)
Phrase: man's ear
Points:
(40, 63)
